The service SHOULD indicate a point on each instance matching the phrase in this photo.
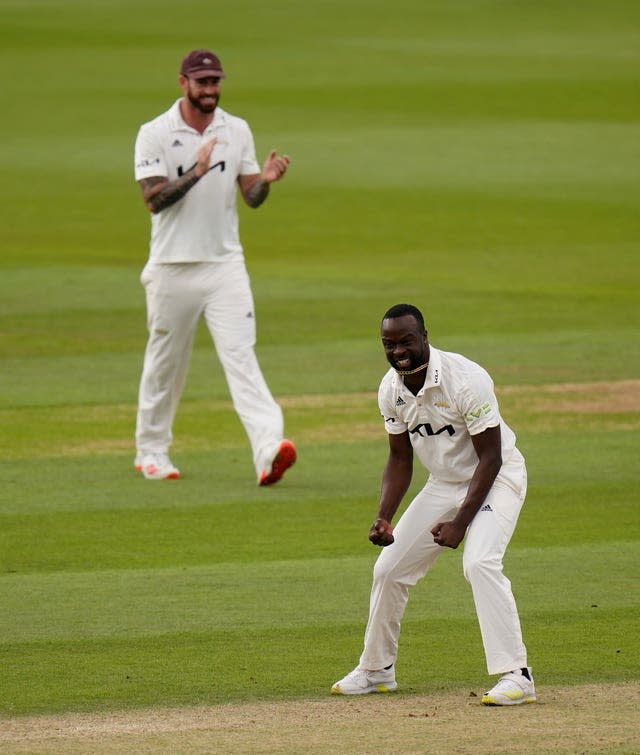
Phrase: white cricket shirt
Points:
(203, 225)
(456, 402)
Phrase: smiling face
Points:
(203, 92)
(405, 343)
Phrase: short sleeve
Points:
(478, 403)
(248, 162)
(149, 155)
(393, 424)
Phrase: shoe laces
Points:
(159, 459)
(508, 680)
(364, 677)
(360, 676)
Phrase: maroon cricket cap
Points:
(201, 63)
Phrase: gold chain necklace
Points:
(413, 372)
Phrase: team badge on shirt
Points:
(484, 409)
(439, 401)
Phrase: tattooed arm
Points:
(159, 193)
(255, 187)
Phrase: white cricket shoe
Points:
(360, 682)
(159, 467)
(512, 689)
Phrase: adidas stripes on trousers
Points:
(410, 557)
(177, 296)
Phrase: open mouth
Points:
(403, 363)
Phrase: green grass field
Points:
(478, 159)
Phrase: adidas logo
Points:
(486, 507)
(400, 401)
(177, 143)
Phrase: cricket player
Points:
(189, 163)
(442, 408)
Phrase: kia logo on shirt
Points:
(221, 164)
(428, 430)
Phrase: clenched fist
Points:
(381, 532)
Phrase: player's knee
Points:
(477, 569)
(384, 570)
(391, 574)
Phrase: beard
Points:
(409, 362)
(203, 107)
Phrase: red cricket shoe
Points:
(284, 458)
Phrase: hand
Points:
(274, 167)
(381, 532)
(204, 157)
(448, 534)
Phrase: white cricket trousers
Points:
(408, 559)
(177, 295)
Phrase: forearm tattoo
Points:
(159, 193)
(257, 193)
